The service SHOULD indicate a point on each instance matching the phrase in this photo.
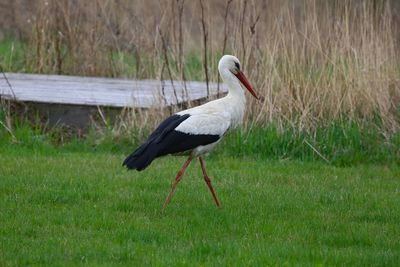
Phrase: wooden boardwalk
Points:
(107, 92)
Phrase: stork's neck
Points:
(235, 90)
(235, 101)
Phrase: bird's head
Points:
(232, 64)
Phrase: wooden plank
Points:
(98, 91)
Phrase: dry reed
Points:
(312, 61)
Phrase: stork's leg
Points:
(177, 180)
(208, 181)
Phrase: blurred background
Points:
(316, 63)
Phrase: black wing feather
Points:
(165, 140)
(178, 142)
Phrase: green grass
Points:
(13, 56)
(68, 208)
(70, 202)
(339, 143)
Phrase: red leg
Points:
(208, 181)
(177, 180)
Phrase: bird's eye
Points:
(237, 65)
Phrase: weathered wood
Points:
(94, 91)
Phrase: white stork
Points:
(196, 131)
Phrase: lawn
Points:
(68, 208)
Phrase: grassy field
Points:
(313, 178)
(69, 208)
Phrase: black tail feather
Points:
(147, 152)
(165, 140)
(141, 157)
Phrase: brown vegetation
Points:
(312, 61)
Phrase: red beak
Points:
(246, 83)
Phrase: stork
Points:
(195, 132)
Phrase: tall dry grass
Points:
(312, 61)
